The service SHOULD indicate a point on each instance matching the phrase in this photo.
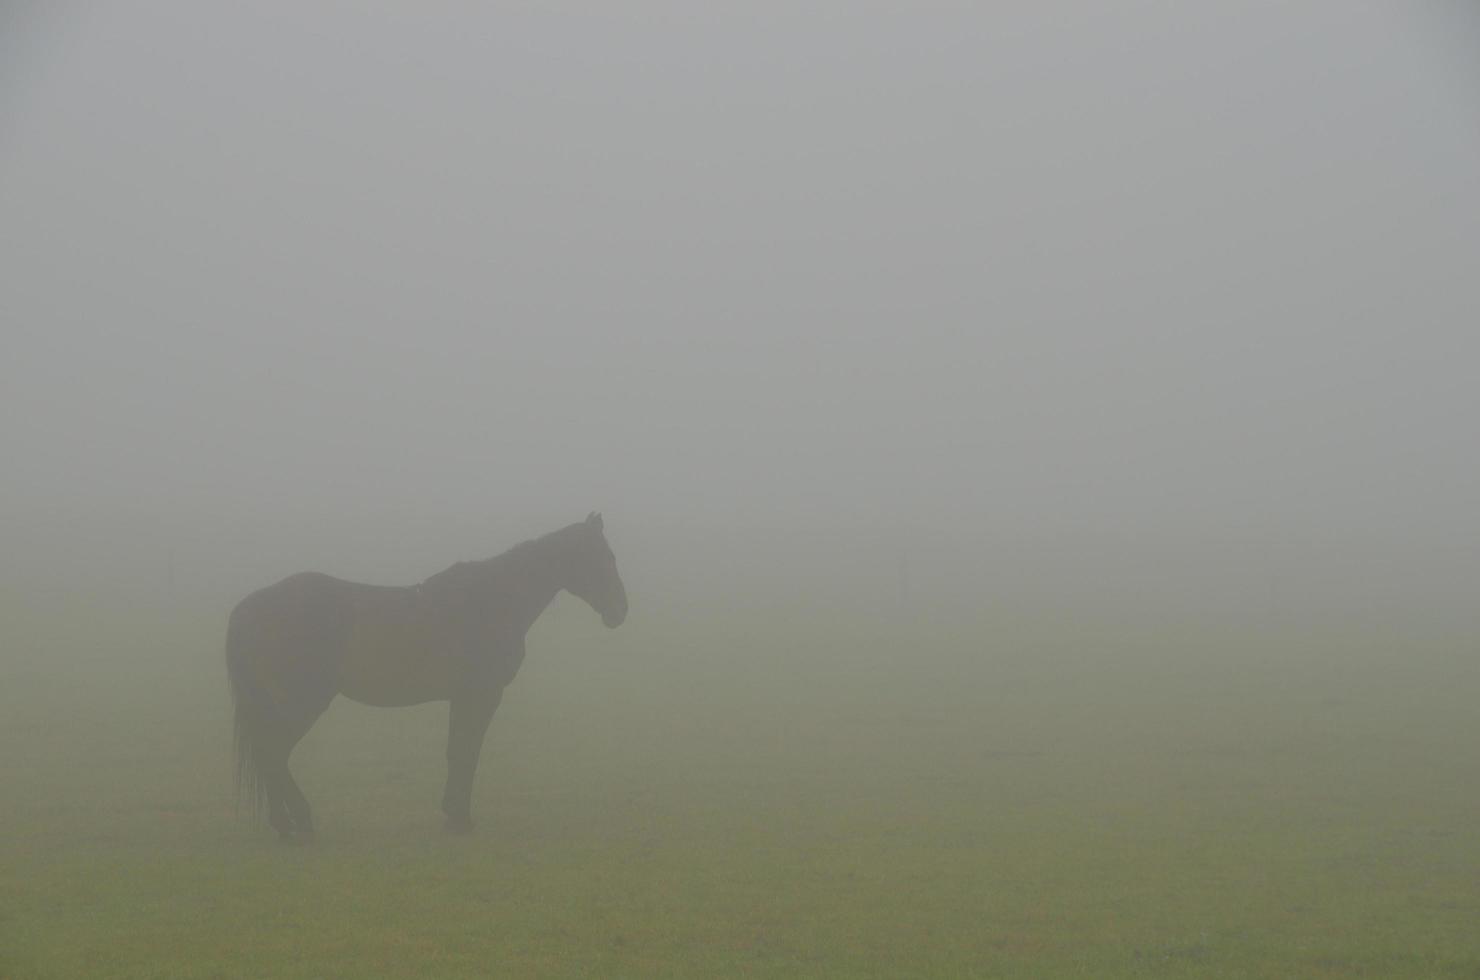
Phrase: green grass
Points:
(785, 794)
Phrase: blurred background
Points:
(1162, 308)
(1039, 442)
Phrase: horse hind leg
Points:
(296, 802)
(278, 814)
(279, 689)
(287, 808)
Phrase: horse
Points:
(457, 637)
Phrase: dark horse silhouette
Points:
(457, 637)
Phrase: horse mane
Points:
(490, 566)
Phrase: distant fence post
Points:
(902, 568)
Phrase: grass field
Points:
(764, 793)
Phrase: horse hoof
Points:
(458, 825)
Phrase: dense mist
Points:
(1036, 442)
(1158, 305)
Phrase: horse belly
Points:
(389, 667)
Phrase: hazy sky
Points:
(368, 287)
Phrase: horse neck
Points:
(535, 577)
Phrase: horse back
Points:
(312, 634)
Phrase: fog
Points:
(1038, 442)
(1164, 306)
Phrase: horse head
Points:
(591, 574)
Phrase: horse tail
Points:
(251, 708)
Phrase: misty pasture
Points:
(1037, 442)
(708, 794)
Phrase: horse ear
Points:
(593, 520)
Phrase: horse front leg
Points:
(467, 723)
